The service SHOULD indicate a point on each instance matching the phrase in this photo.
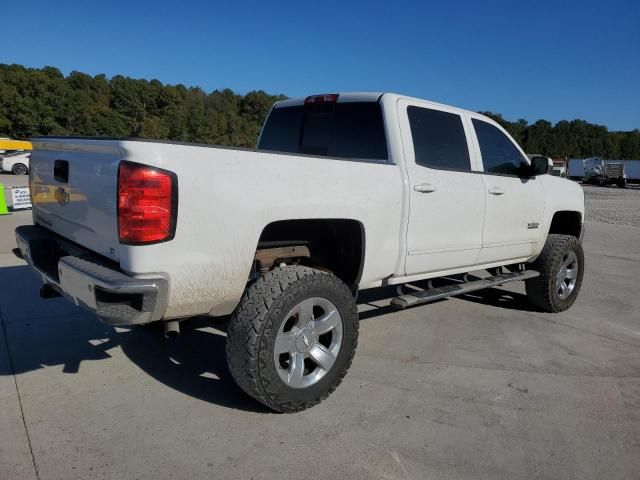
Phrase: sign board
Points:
(21, 197)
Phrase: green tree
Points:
(42, 101)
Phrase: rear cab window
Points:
(350, 130)
(439, 140)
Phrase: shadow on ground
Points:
(193, 364)
(39, 335)
(496, 297)
(57, 334)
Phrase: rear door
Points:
(514, 205)
(446, 196)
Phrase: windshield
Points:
(13, 153)
(344, 130)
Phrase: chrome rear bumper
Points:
(91, 281)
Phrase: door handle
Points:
(496, 191)
(425, 188)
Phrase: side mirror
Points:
(539, 166)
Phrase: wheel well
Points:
(566, 223)
(335, 244)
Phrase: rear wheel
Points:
(292, 338)
(561, 267)
(19, 169)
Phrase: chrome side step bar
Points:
(420, 296)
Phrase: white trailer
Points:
(632, 170)
(575, 169)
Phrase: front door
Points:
(446, 197)
(514, 205)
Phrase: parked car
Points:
(345, 192)
(15, 162)
(8, 146)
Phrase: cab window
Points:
(499, 155)
(353, 130)
(438, 139)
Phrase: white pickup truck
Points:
(345, 192)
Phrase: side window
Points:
(438, 139)
(499, 154)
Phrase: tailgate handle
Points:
(61, 171)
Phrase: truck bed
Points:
(226, 198)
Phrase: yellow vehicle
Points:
(7, 144)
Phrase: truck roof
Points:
(343, 97)
(346, 97)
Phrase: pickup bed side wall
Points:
(227, 197)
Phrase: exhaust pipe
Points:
(172, 329)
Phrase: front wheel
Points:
(292, 338)
(561, 267)
(20, 169)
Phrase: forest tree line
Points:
(43, 101)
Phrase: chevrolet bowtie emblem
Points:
(62, 197)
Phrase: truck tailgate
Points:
(74, 190)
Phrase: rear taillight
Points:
(147, 204)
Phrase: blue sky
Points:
(535, 59)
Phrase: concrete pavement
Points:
(474, 387)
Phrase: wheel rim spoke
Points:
(563, 289)
(327, 322)
(305, 312)
(569, 260)
(296, 370)
(572, 274)
(284, 344)
(322, 356)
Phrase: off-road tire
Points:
(541, 290)
(20, 169)
(254, 325)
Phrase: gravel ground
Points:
(613, 205)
